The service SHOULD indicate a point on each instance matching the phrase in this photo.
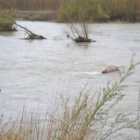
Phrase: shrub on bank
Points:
(6, 25)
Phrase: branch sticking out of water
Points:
(30, 34)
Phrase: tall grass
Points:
(89, 118)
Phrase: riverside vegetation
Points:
(6, 25)
(98, 10)
(89, 118)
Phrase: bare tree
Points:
(30, 34)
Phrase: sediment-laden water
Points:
(35, 73)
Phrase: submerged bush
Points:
(6, 24)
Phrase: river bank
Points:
(48, 15)
(32, 15)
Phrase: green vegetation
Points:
(82, 10)
(6, 25)
(99, 10)
(121, 10)
(92, 10)
(89, 118)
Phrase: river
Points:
(35, 73)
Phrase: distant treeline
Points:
(95, 10)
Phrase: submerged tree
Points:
(83, 12)
(30, 34)
(79, 32)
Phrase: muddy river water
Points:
(36, 72)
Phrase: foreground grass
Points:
(89, 118)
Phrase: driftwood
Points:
(30, 34)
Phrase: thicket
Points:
(82, 10)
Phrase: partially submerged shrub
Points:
(31, 35)
(78, 32)
(82, 12)
(6, 25)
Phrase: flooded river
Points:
(36, 72)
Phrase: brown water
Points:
(36, 72)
